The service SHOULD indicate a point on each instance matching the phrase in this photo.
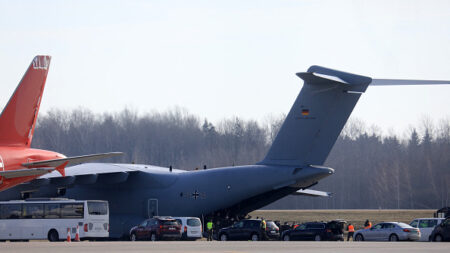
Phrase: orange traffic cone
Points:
(77, 235)
(68, 235)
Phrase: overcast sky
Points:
(220, 59)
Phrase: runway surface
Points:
(225, 247)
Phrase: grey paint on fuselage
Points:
(193, 193)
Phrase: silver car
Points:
(388, 231)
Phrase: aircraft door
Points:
(152, 209)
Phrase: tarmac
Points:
(224, 247)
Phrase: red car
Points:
(157, 228)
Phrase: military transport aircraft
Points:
(293, 163)
(18, 162)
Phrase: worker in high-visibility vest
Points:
(263, 228)
(367, 224)
(351, 231)
(209, 227)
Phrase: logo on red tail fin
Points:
(41, 62)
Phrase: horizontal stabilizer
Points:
(312, 193)
(71, 160)
(382, 82)
(25, 172)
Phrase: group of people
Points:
(351, 229)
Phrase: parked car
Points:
(272, 230)
(249, 229)
(191, 228)
(441, 232)
(388, 231)
(426, 226)
(157, 228)
(317, 231)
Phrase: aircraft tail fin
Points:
(18, 118)
(319, 113)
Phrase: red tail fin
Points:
(19, 116)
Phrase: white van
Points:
(426, 226)
(191, 228)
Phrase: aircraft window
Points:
(11, 211)
(52, 211)
(33, 211)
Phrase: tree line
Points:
(372, 170)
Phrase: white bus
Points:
(38, 219)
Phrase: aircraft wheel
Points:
(317, 238)
(223, 237)
(393, 238)
(359, 238)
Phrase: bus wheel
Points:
(53, 235)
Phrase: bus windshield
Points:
(97, 208)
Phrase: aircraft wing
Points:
(25, 172)
(70, 160)
(312, 193)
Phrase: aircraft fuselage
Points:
(201, 193)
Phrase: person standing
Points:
(263, 228)
(351, 231)
(209, 227)
(367, 224)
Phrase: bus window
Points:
(11, 211)
(33, 211)
(52, 211)
(70, 211)
(97, 208)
